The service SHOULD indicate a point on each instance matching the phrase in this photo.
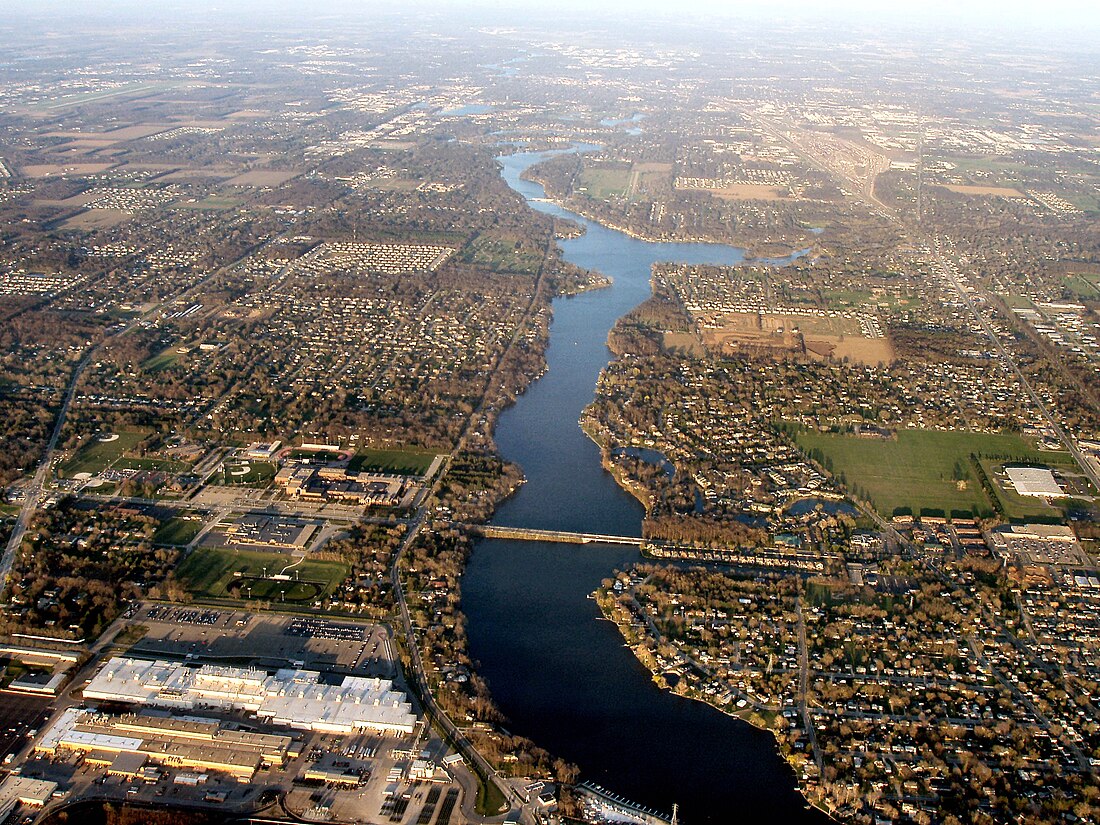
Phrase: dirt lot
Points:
(821, 336)
(751, 192)
(97, 219)
(263, 177)
(45, 170)
(990, 191)
(864, 350)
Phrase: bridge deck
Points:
(492, 531)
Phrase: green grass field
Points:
(605, 181)
(162, 360)
(407, 462)
(151, 464)
(920, 470)
(500, 253)
(177, 531)
(259, 472)
(213, 203)
(1083, 286)
(209, 571)
(1086, 203)
(97, 455)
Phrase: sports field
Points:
(409, 461)
(102, 451)
(210, 572)
(177, 531)
(920, 470)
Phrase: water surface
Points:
(558, 671)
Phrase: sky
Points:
(1067, 14)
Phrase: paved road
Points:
(952, 273)
(418, 675)
(38, 484)
(37, 487)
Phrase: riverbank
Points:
(588, 427)
(635, 640)
(754, 250)
(556, 670)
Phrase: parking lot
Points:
(265, 640)
(19, 715)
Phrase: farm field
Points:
(921, 470)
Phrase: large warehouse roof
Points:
(1034, 481)
(296, 698)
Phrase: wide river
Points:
(559, 672)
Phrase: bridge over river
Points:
(748, 558)
(492, 531)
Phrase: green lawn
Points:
(605, 181)
(161, 464)
(177, 531)
(409, 461)
(846, 298)
(502, 254)
(920, 470)
(1083, 286)
(213, 203)
(259, 472)
(209, 571)
(163, 359)
(1085, 202)
(97, 455)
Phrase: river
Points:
(559, 672)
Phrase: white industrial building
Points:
(1038, 482)
(294, 698)
(22, 790)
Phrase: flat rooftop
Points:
(295, 698)
(1038, 482)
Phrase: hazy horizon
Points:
(1074, 15)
